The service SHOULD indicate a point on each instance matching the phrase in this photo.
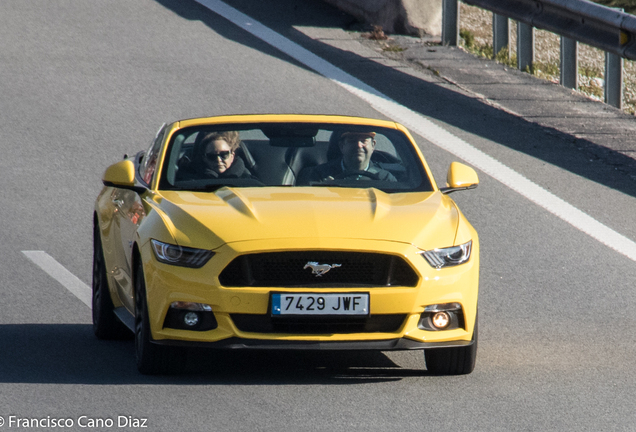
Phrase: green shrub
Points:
(468, 37)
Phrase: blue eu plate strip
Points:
(276, 304)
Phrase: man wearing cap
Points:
(355, 163)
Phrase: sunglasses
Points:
(225, 155)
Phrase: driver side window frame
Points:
(148, 164)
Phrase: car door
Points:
(129, 214)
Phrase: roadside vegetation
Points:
(476, 37)
(386, 43)
(628, 5)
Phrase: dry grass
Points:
(476, 32)
(628, 5)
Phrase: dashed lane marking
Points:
(58, 272)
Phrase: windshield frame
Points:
(401, 142)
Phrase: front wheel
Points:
(452, 361)
(152, 359)
(106, 325)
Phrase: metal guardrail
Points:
(606, 28)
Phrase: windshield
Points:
(293, 155)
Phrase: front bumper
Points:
(166, 284)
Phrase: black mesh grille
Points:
(294, 269)
(318, 325)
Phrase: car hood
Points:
(209, 220)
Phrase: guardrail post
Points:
(614, 77)
(569, 63)
(450, 22)
(525, 46)
(500, 34)
(614, 80)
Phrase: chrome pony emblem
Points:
(320, 269)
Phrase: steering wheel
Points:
(347, 174)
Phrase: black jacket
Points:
(334, 170)
(198, 171)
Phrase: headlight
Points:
(450, 256)
(180, 256)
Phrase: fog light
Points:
(441, 320)
(190, 316)
(442, 316)
(191, 319)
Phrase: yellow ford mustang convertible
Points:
(279, 232)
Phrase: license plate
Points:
(356, 304)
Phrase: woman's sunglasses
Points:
(225, 155)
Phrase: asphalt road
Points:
(82, 83)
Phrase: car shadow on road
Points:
(70, 354)
(470, 114)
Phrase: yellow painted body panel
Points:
(427, 220)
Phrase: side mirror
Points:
(460, 177)
(122, 175)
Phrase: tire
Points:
(452, 361)
(106, 325)
(152, 359)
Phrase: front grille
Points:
(322, 325)
(293, 269)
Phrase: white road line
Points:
(58, 272)
(424, 127)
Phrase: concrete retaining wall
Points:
(415, 17)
